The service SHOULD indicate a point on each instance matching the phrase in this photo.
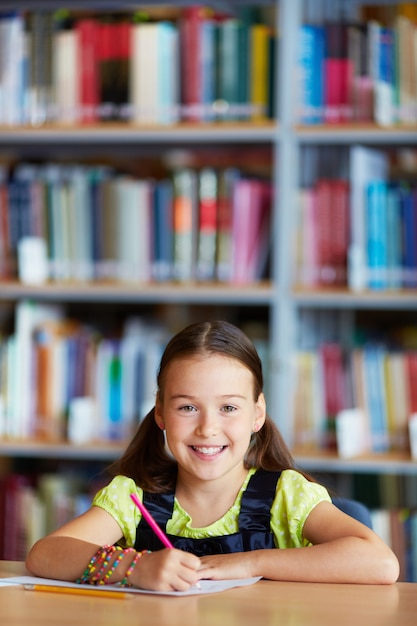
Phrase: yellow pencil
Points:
(82, 591)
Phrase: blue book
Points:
(163, 231)
(208, 68)
(375, 390)
(376, 231)
(311, 72)
(409, 231)
(168, 66)
(394, 237)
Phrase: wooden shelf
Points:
(345, 298)
(328, 461)
(126, 133)
(351, 133)
(92, 452)
(262, 293)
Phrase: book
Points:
(191, 27)
(408, 203)
(366, 164)
(406, 68)
(224, 249)
(113, 57)
(331, 358)
(87, 29)
(229, 62)
(362, 88)
(207, 224)
(163, 231)
(12, 52)
(154, 73)
(311, 74)
(65, 72)
(185, 223)
(394, 237)
(397, 398)
(377, 234)
(308, 266)
(259, 71)
(28, 316)
(247, 230)
(374, 356)
(338, 72)
(384, 87)
(40, 79)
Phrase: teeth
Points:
(211, 450)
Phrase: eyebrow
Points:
(181, 396)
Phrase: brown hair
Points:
(147, 460)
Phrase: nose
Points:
(208, 424)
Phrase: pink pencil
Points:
(158, 532)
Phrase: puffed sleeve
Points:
(115, 500)
(295, 498)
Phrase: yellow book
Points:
(259, 71)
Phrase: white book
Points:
(65, 76)
(28, 316)
(12, 68)
(81, 236)
(154, 73)
(366, 165)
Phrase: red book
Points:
(340, 229)
(324, 200)
(250, 218)
(191, 66)
(338, 74)
(334, 393)
(88, 70)
(113, 69)
(5, 252)
(411, 368)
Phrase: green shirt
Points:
(295, 498)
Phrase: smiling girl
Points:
(213, 470)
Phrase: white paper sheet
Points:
(207, 586)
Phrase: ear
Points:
(160, 422)
(260, 413)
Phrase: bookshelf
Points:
(278, 302)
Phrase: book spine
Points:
(208, 190)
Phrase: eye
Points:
(228, 408)
(187, 408)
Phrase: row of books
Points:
(398, 528)
(98, 224)
(29, 509)
(379, 380)
(361, 70)
(390, 234)
(195, 66)
(358, 226)
(81, 381)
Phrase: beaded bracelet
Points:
(139, 555)
(94, 562)
(97, 576)
(96, 565)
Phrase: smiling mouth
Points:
(208, 450)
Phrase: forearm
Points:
(347, 560)
(59, 557)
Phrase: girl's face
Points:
(209, 413)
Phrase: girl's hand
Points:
(166, 570)
(224, 566)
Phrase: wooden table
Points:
(266, 603)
